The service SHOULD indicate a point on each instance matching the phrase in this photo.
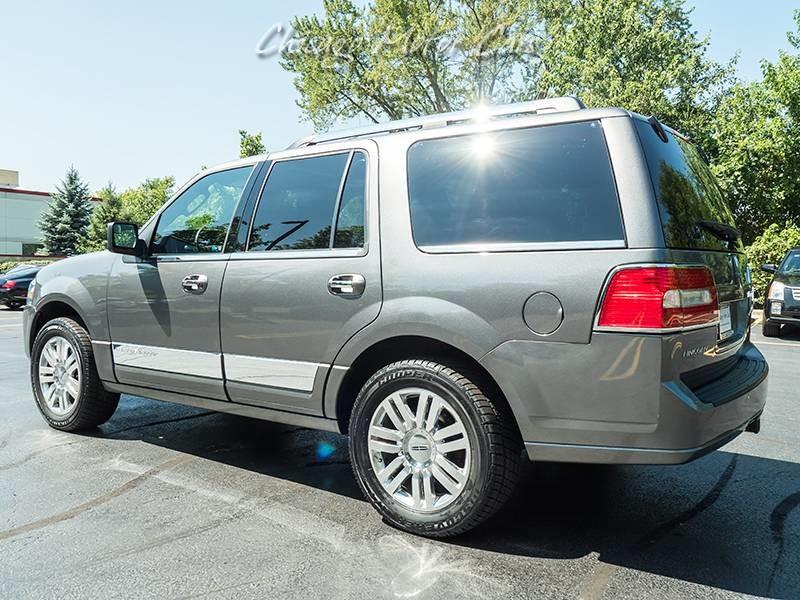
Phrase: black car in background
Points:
(782, 302)
(14, 285)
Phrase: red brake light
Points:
(659, 298)
(9, 285)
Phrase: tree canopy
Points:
(757, 136)
(399, 58)
(142, 202)
(250, 144)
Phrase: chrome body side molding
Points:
(169, 360)
(271, 372)
(293, 375)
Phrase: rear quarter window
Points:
(541, 185)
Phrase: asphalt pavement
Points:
(166, 501)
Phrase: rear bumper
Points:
(551, 452)
(621, 399)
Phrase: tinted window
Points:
(791, 263)
(350, 222)
(686, 190)
(544, 184)
(198, 220)
(296, 209)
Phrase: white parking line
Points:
(795, 344)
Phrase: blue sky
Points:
(130, 90)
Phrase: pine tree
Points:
(109, 210)
(66, 219)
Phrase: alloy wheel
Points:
(419, 449)
(59, 375)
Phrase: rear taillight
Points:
(659, 298)
(9, 285)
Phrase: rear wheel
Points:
(66, 386)
(769, 329)
(431, 451)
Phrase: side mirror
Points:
(769, 268)
(123, 238)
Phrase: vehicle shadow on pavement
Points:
(730, 521)
(789, 333)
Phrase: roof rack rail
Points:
(546, 105)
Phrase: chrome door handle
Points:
(349, 285)
(194, 284)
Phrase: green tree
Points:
(142, 202)
(638, 54)
(109, 209)
(757, 134)
(250, 144)
(67, 217)
(398, 58)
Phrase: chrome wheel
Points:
(59, 375)
(419, 449)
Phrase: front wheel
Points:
(433, 453)
(68, 391)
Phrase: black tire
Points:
(769, 329)
(492, 433)
(14, 305)
(94, 405)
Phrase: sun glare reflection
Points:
(483, 147)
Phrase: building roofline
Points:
(11, 190)
(23, 191)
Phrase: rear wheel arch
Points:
(393, 349)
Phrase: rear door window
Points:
(540, 185)
(686, 191)
(304, 199)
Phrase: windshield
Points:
(791, 264)
(686, 190)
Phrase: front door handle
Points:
(194, 284)
(349, 285)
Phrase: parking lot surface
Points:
(166, 501)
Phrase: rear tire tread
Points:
(504, 456)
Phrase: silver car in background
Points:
(454, 292)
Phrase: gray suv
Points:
(449, 291)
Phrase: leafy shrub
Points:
(10, 264)
(770, 247)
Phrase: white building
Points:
(20, 210)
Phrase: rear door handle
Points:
(350, 285)
(194, 284)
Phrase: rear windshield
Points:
(686, 191)
(550, 184)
